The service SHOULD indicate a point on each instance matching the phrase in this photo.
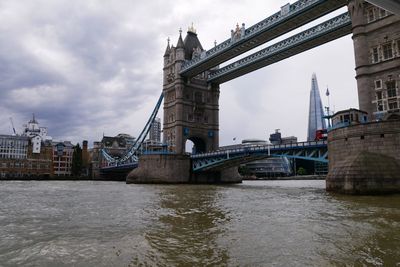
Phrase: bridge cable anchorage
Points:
(131, 156)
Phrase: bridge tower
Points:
(190, 104)
(376, 38)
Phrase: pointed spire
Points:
(168, 49)
(180, 41)
(192, 29)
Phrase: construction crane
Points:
(12, 124)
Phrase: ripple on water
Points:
(257, 223)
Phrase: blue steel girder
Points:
(316, 151)
(284, 21)
(131, 155)
(327, 31)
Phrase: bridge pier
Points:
(175, 169)
(365, 159)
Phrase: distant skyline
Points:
(91, 67)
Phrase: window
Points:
(379, 95)
(198, 97)
(391, 89)
(387, 51)
(398, 47)
(371, 15)
(375, 55)
(379, 106)
(378, 84)
(382, 13)
(393, 105)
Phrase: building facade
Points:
(269, 167)
(62, 158)
(316, 119)
(155, 131)
(377, 57)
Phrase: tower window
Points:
(398, 47)
(371, 15)
(375, 55)
(382, 13)
(387, 51)
(393, 105)
(391, 89)
(378, 84)
(379, 106)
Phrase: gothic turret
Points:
(167, 50)
(193, 46)
(180, 49)
(167, 54)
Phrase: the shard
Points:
(316, 111)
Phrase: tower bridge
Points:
(242, 40)
(192, 79)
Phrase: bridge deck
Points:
(315, 150)
(300, 13)
(325, 32)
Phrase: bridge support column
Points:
(161, 169)
(365, 159)
(229, 176)
(174, 169)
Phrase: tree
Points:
(301, 171)
(77, 161)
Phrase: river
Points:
(257, 223)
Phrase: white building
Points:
(13, 147)
(36, 134)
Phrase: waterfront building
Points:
(85, 158)
(62, 158)
(95, 155)
(28, 154)
(269, 167)
(155, 130)
(377, 56)
(129, 139)
(316, 111)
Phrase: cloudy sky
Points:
(88, 67)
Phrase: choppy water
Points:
(257, 223)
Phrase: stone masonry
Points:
(365, 158)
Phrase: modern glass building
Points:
(316, 111)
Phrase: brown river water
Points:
(257, 223)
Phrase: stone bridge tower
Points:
(190, 104)
(376, 38)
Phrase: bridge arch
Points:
(199, 144)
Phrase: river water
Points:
(257, 223)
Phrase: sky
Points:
(88, 68)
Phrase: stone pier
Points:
(174, 169)
(365, 158)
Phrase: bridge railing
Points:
(261, 26)
(261, 148)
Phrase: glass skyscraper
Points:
(316, 111)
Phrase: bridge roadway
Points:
(325, 32)
(299, 13)
(225, 158)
